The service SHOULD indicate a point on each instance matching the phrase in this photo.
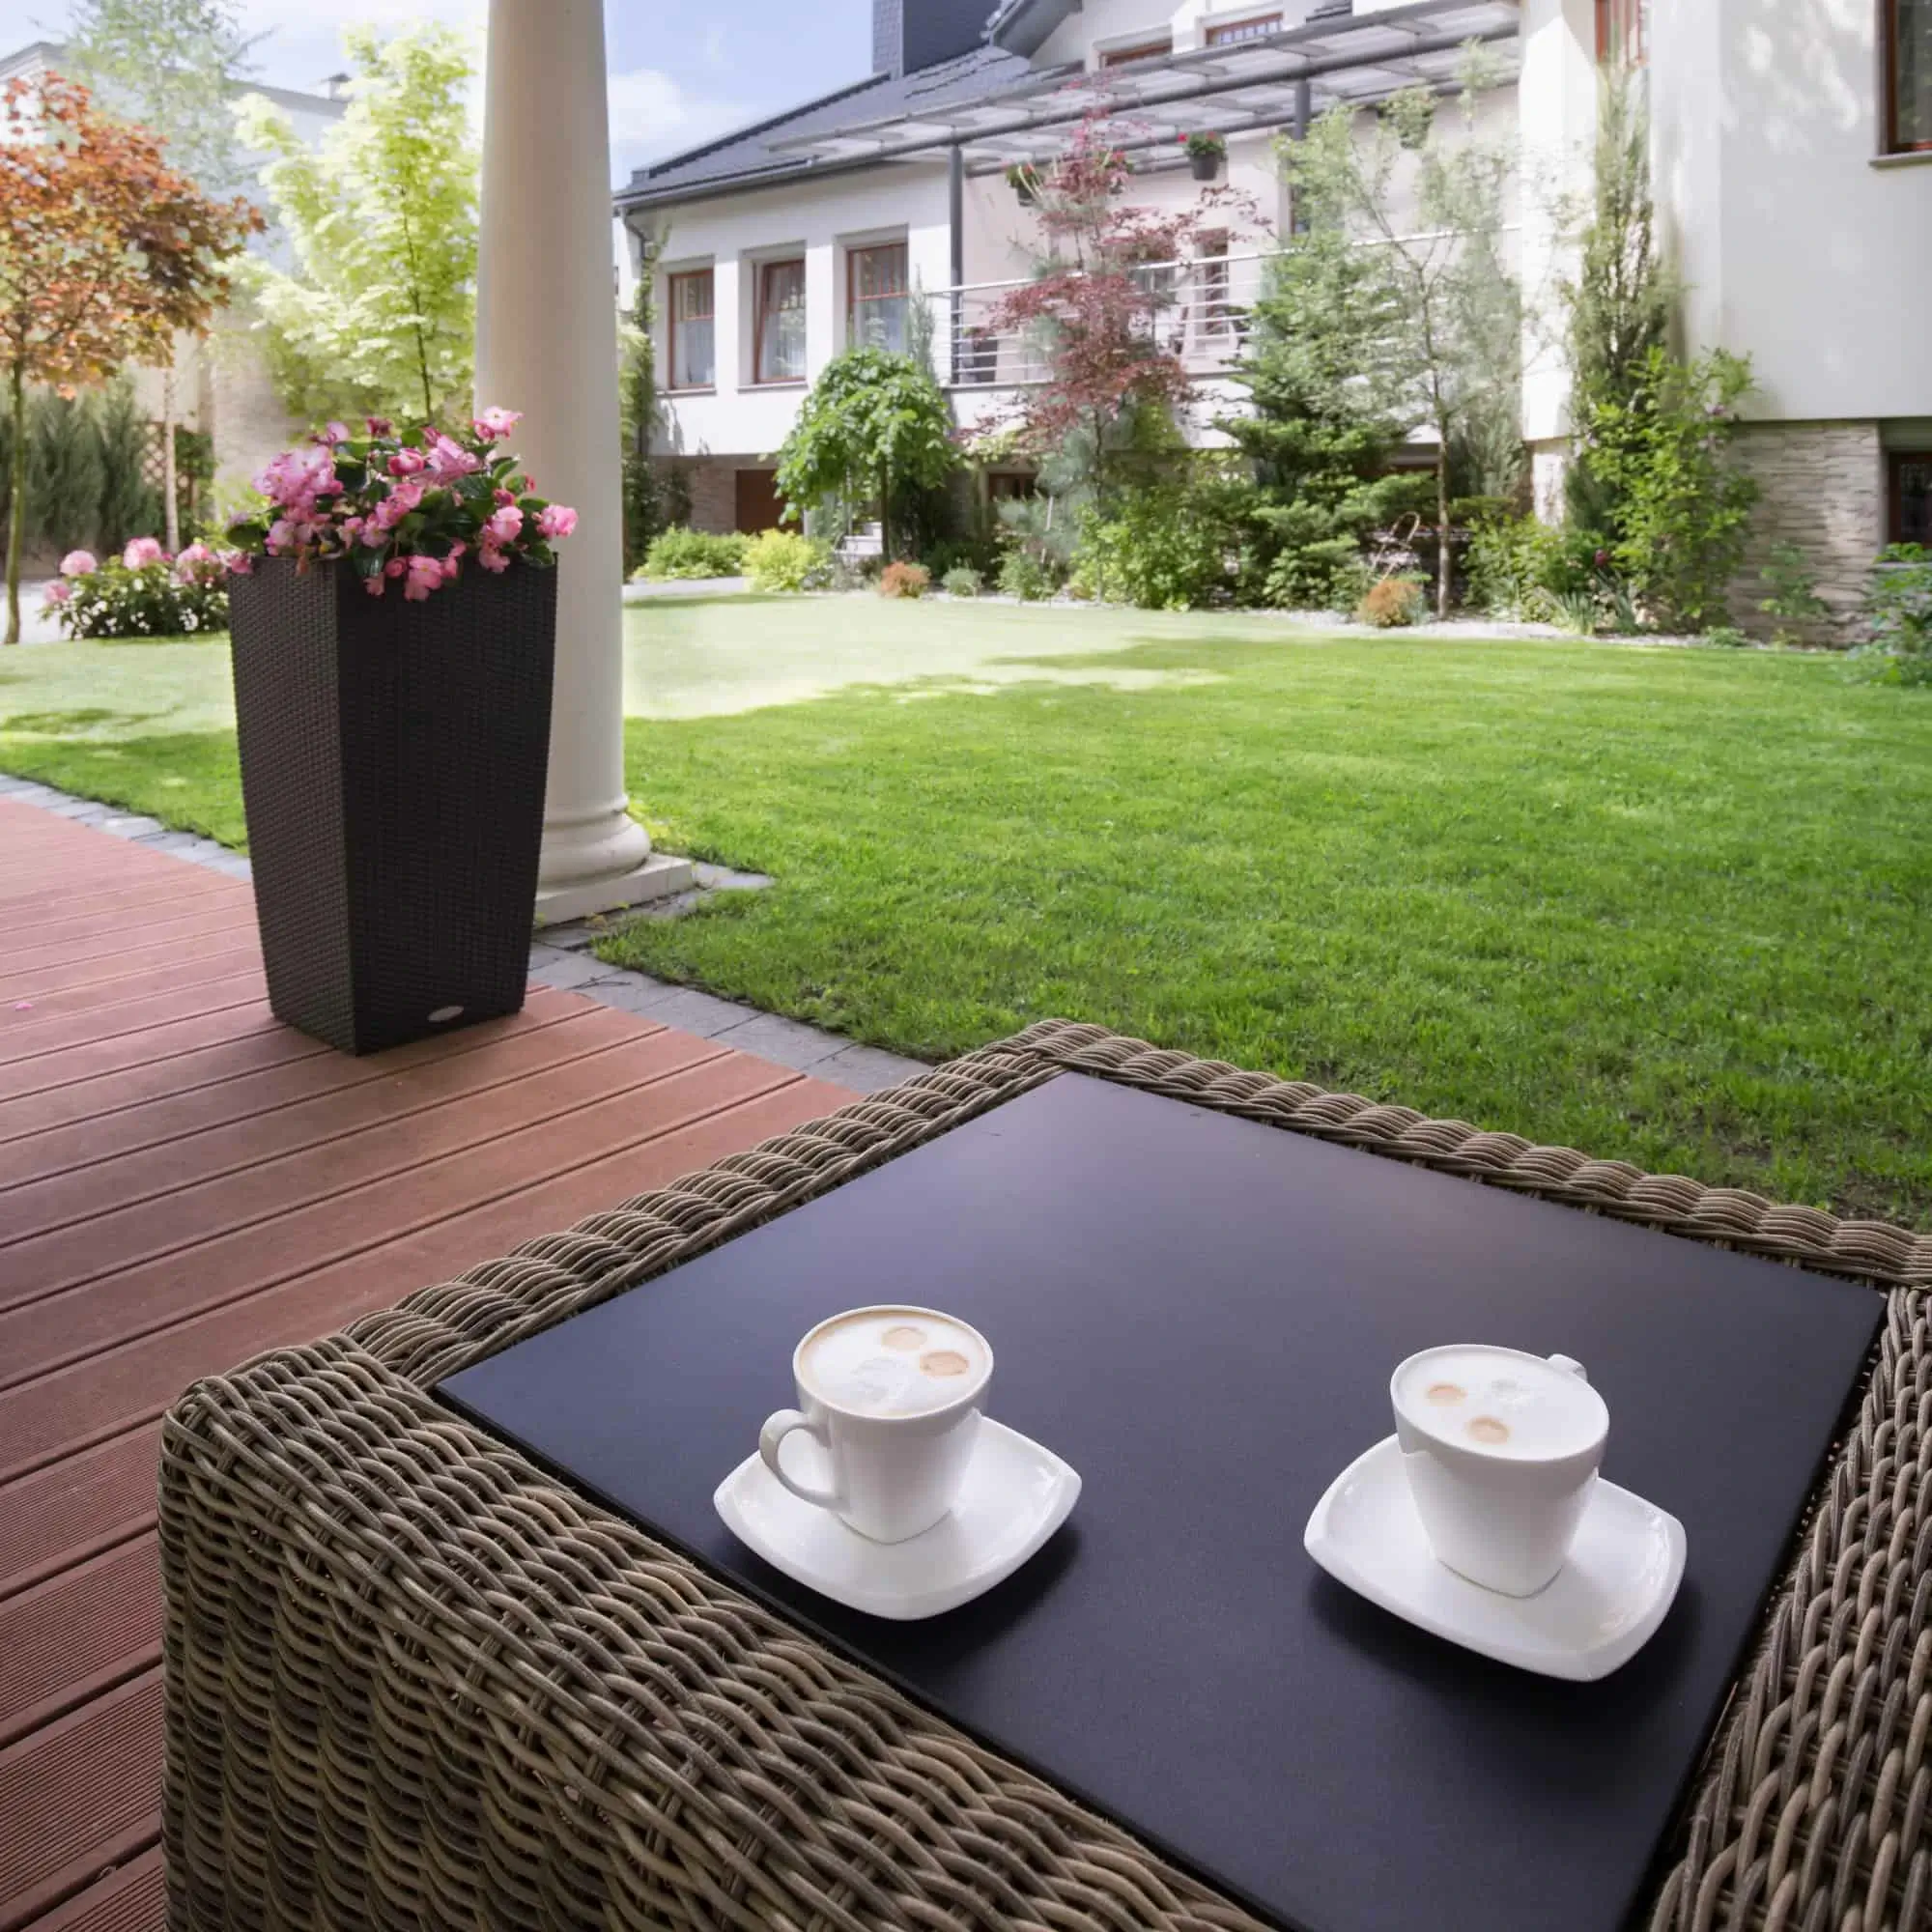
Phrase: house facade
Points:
(1792, 160)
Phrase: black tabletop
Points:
(1201, 1315)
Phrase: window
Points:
(1620, 31)
(1231, 32)
(779, 350)
(1907, 75)
(692, 363)
(876, 297)
(1140, 51)
(1911, 496)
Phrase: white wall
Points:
(731, 235)
(1798, 250)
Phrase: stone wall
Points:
(250, 423)
(1823, 486)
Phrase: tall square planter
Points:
(393, 760)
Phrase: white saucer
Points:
(1015, 1495)
(1605, 1601)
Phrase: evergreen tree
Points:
(637, 414)
(1321, 422)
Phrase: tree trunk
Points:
(17, 505)
(170, 485)
(1443, 520)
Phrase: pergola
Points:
(547, 344)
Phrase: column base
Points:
(660, 877)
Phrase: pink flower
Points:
(506, 496)
(58, 592)
(492, 558)
(394, 567)
(78, 563)
(504, 526)
(330, 434)
(425, 574)
(281, 537)
(555, 520)
(406, 463)
(197, 560)
(494, 424)
(239, 563)
(447, 461)
(140, 552)
(297, 478)
(374, 585)
(452, 564)
(379, 426)
(350, 527)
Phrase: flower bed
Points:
(142, 594)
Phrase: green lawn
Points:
(1669, 905)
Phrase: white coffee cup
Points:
(894, 1439)
(1501, 1449)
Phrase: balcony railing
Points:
(1199, 314)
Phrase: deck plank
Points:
(184, 1182)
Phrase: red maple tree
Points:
(1100, 290)
(106, 252)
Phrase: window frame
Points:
(761, 279)
(1616, 17)
(853, 298)
(1137, 50)
(673, 386)
(1891, 24)
(1894, 490)
(1235, 33)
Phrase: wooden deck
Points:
(184, 1182)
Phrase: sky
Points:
(680, 76)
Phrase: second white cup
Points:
(1501, 1449)
(892, 1395)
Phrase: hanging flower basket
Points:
(1023, 178)
(393, 636)
(1206, 154)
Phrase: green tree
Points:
(1622, 301)
(638, 416)
(874, 425)
(1322, 417)
(1428, 212)
(379, 314)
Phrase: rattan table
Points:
(412, 1680)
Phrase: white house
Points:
(1791, 141)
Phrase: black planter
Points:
(393, 757)
(1205, 166)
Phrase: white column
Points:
(547, 345)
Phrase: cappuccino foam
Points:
(1500, 1403)
(892, 1361)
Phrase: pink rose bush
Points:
(143, 592)
(409, 508)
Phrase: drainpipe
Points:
(955, 216)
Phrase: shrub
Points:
(785, 560)
(1793, 598)
(153, 596)
(690, 554)
(1393, 604)
(904, 580)
(1726, 636)
(1514, 565)
(1898, 611)
(1171, 547)
(962, 581)
(1025, 575)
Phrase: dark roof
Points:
(747, 156)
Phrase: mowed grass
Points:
(1666, 905)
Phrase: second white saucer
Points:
(1605, 1602)
(1014, 1496)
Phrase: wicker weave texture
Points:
(414, 1682)
(393, 760)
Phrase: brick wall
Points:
(714, 492)
(1823, 487)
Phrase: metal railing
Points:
(1199, 314)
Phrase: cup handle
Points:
(769, 1439)
(1571, 1365)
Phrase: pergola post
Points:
(547, 345)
